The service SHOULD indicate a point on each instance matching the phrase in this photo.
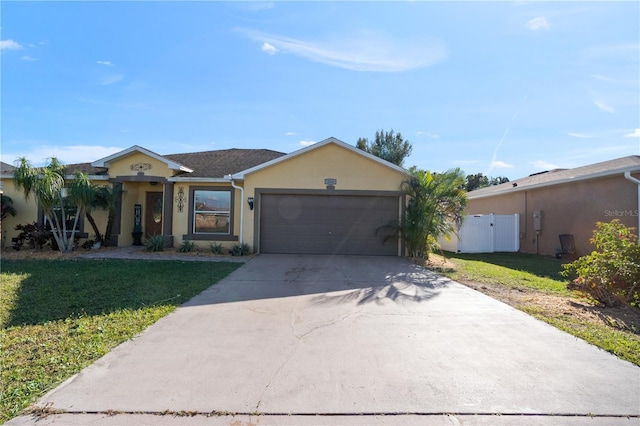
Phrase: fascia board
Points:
(104, 162)
(241, 175)
(570, 179)
(198, 179)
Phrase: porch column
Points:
(167, 206)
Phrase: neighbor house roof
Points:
(560, 176)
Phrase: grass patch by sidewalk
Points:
(532, 284)
(57, 317)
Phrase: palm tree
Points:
(436, 208)
(106, 198)
(47, 185)
(6, 204)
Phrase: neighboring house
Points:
(328, 198)
(565, 201)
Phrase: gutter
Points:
(627, 176)
(241, 206)
(514, 189)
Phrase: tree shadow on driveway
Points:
(401, 288)
(330, 280)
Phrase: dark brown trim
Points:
(117, 219)
(167, 206)
(332, 192)
(355, 192)
(210, 237)
(139, 178)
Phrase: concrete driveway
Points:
(348, 340)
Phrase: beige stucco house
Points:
(565, 201)
(328, 198)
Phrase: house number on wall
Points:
(140, 167)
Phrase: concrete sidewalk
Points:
(348, 340)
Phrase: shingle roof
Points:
(6, 168)
(84, 168)
(560, 176)
(205, 164)
(220, 163)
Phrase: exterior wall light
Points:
(250, 201)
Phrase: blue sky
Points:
(500, 88)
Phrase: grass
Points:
(57, 317)
(541, 275)
(515, 270)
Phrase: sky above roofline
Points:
(499, 88)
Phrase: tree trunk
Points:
(99, 237)
(107, 233)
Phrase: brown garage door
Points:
(327, 224)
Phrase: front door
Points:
(153, 215)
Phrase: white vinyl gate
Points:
(486, 234)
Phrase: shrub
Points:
(216, 248)
(32, 234)
(239, 249)
(611, 275)
(154, 243)
(186, 247)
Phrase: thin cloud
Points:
(544, 165)
(10, 45)
(364, 51)
(537, 24)
(290, 134)
(427, 134)
(268, 48)
(580, 135)
(630, 50)
(28, 58)
(306, 143)
(106, 63)
(67, 154)
(111, 79)
(254, 6)
(501, 165)
(634, 134)
(604, 107)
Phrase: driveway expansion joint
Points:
(43, 412)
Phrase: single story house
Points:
(565, 201)
(327, 198)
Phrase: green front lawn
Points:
(510, 269)
(58, 316)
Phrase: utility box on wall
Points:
(537, 220)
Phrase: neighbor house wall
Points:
(568, 208)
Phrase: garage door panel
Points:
(326, 224)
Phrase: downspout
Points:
(627, 176)
(241, 206)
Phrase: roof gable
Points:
(173, 165)
(559, 176)
(241, 175)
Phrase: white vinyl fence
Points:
(485, 233)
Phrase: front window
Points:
(69, 217)
(211, 212)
